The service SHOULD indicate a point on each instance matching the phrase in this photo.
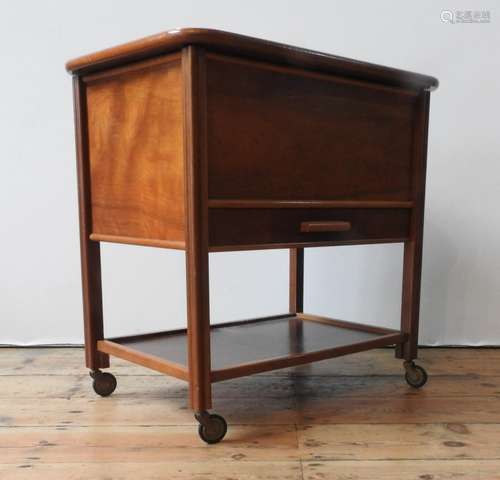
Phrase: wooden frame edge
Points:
(270, 246)
(196, 196)
(362, 327)
(245, 369)
(183, 331)
(145, 242)
(146, 360)
(132, 67)
(270, 203)
(308, 73)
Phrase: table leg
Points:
(412, 262)
(410, 307)
(197, 276)
(198, 331)
(89, 250)
(92, 305)
(296, 296)
(296, 280)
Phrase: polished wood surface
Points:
(136, 151)
(148, 360)
(207, 141)
(282, 133)
(323, 421)
(412, 259)
(325, 226)
(248, 47)
(296, 281)
(246, 203)
(231, 227)
(197, 274)
(147, 242)
(256, 346)
(90, 252)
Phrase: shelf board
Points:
(252, 346)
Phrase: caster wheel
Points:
(212, 428)
(415, 375)
(104, 383)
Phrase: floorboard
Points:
(347, 418)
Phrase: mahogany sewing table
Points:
(207, 141)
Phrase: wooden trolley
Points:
(207, 141)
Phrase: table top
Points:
(248, 47)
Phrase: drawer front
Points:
(253, 228)
(282, 133)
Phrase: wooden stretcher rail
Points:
(149, 361)
(166, 351)
(303, 358)
(147, 242)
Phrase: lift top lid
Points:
(249, 47)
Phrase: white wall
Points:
(144, 288)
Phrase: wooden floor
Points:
(351, 418)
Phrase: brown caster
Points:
(104, 383)
(212, 428)
(415, 375)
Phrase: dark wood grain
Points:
(325, 226)
(283, 133)
(296, 280)
(230, 228)
(296, 298)
(250, 203)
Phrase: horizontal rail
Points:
(304, 358)
(270, 203)
(147, 242)
(146, 360)
(363, 327)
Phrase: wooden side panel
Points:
(283, 133)
(135, 125)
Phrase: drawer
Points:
(233, 228)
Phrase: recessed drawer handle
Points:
(325, 226)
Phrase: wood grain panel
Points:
(135, 125)
(283, 133)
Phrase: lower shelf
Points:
(253, 346)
